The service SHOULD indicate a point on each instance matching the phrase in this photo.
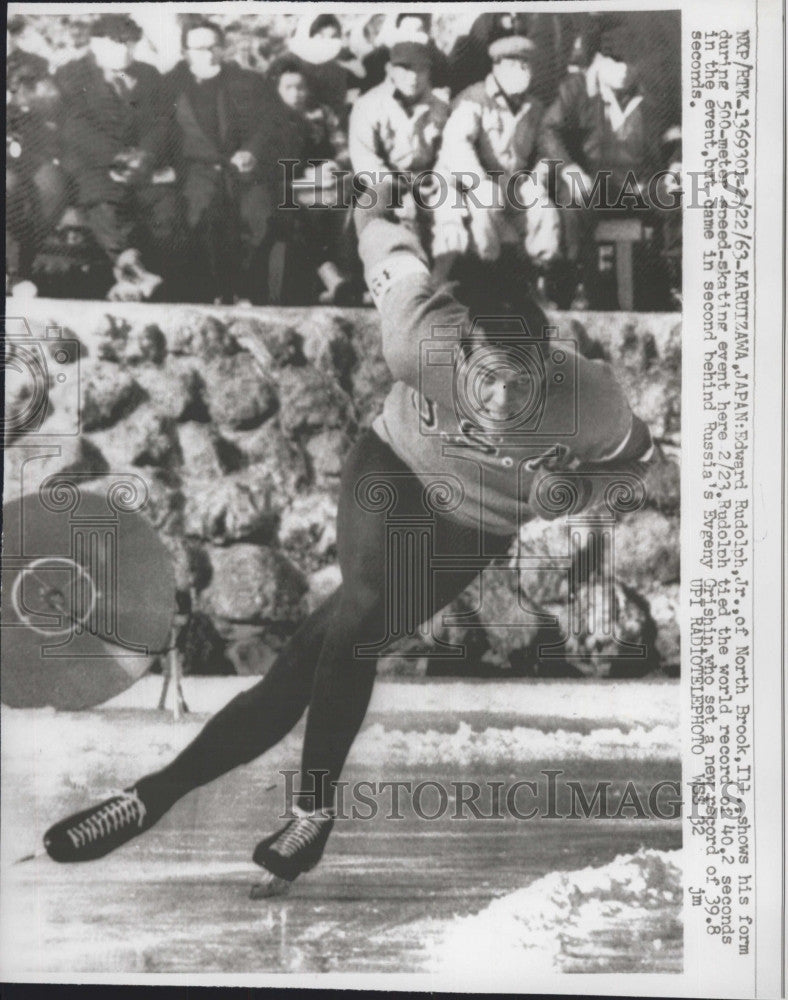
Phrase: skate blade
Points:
(269, 887)
(38, 853)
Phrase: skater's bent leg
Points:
(343, 680)
(252, 722)
(343, 686)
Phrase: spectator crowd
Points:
(539, 150)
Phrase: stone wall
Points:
(238, 419)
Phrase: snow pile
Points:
(493, 746)
(624, 916)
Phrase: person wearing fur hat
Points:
(600, 124)
(329, 66)
(113, 134)
(488, 155)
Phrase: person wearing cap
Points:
(488, 157)
(36, 185)
(400, 27)
(602, 123)
(469, 60)
(398, 124)
(113, 134)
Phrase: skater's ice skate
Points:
(94, 832)
(289, 852)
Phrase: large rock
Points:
(328, 346)
(227, 510)
(647, 549)
(201, 451)
(165, 500)
(311, 402)
(371, 377)
(111, 335)
(322, 585)
(662, 482)
(24, 471)
(308, 528)
(200, 335)
(588, 643)
(146, 345)
(237, 393)
(150, 439)
(176, 389)
(190, 562)
(273, 344)
(253, 583)
(326, 451)
(267, 447)
(108, 395)
(253, 653)
(664, 604)
(501, 623)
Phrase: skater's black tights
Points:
(383, 524)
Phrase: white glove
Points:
(449, 237)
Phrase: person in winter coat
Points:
(322, 229)
(600, 131)
(398, 124)
(488, 156)
(36, 185)
(114, 127)
(229, 134)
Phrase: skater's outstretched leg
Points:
(254, 721)
(247, 726)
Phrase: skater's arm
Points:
(410, 304)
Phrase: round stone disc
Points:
(88, 596)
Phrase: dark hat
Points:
(25, 67)
(414, 55)
(607, 35)
(118, 27)
(511, 47)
